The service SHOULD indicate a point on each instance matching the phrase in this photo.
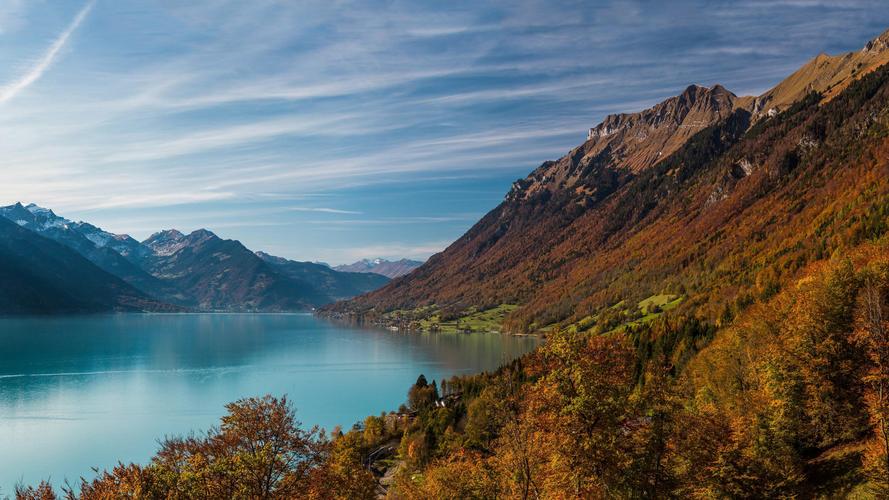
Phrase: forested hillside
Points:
(725, 220)
(788, 402)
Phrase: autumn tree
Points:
(343, 474)
(460, 475)
(657, 405)
(820, 325)
(258, 452)
(422, 395)
(872, 333)
(374, 429)
(43, 491)
(122, 481)
(581, 407)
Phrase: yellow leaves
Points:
(790, 374)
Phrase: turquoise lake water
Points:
(79, 392)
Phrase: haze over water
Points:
(77, 392)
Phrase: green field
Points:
(614, 318)
(429, 319)
(620, 316)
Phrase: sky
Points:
(338, 130)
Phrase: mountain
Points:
(219, 274)
(384, 267)
(119, 255)
(42, 276)
(705, 197)
(222, 274)
(335, 284)
(167, 242)
(43, 220)
(506, 257)
(199, 270)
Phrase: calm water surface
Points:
(78, 392)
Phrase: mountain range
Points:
(42, 276)
(53, 264)
(710, 198)
(390, 269)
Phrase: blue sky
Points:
(339, 130)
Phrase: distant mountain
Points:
(43, 220)
(708, 196)
(119, 255)
(166, 243)
(196, 271)
(336, 285)
(384, 267)
(41, 276)
(219, 274)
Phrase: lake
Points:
(78, 392)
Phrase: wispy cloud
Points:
(325, 210)
(227, 137)
(392, 221)
(222, 113)
(136, 200)
(43, 64)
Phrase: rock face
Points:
(631, 142)
(638, 140)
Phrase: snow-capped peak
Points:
(44, 221)
(34, 217)
(166, 242)
(38, 210)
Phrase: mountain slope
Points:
(503, 258)
(827, 75)
(39, 275)
(334, 284)
(384, 267)
(725, 219)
